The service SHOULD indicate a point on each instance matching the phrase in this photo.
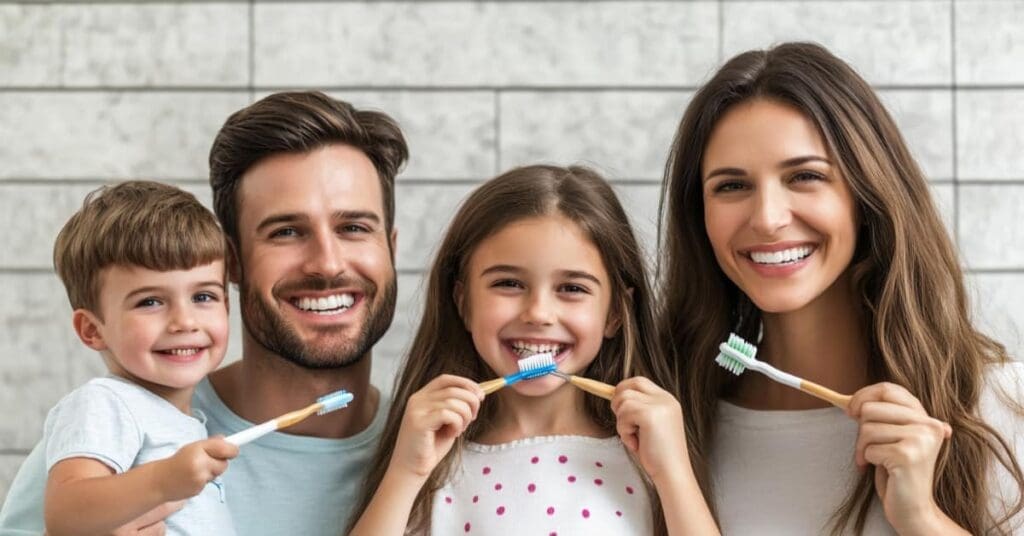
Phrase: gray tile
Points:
(990, 230)
(990, 42)
(625, 134)
(989, 134)
(925, 118)
(641, 204)
(888, 42)
(37, 346)
(999, 308)
(492, 43)
(422, 214)
(35, 214)
(943, 196)
(162, 135)
(390, 352)
(30, 46)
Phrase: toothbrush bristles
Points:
(334, 401)
(536, 361)
(727, 357)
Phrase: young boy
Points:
(143, 265)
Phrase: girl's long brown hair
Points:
(443, 346)
(905, 273)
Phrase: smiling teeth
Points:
(781, 257)
(329, 304)
(182, 352)
(527, 349)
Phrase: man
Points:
(303, 186)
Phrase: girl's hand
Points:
(434, 416)
(650, 423)
(902, 441)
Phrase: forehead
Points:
(541, 244)
(325, 180)
(762, 129)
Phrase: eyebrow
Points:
(157, 290)
(791, 162)
(568, 274)
(292, 217)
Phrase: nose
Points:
(538, 309)
(772, 210)
(182, 319)
(324, 256)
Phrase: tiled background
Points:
(93, 92)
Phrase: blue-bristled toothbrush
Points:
(736, 355)
(531, 367)
(593, 387)
(324, 404)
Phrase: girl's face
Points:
(537, 285)
(780, 218)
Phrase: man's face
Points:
(316, 266)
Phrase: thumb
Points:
(218, 447)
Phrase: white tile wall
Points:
(102, 91)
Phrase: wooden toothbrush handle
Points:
(593, 387)
(826, 394)
(491, 386)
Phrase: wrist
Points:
(927, 521)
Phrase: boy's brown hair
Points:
(140, 223)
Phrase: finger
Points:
(461, 407)
(637, 383)
(625, 396)
(451, 380)
(157, 514)
(876, 434)
(156, 529)
(219, 448)
(627, 431)
(459, 393)
(883, 392)
(217, 467)
(890, 413)
(881, 455)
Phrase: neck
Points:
(263, 385)
(559, 413)
(823, 342)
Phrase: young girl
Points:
(795, 210)
(540, 259)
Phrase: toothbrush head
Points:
(736, 354)
(334, 401)
(536, 365)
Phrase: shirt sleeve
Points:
(92, 422)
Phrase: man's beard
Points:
(270, 330)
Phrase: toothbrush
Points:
(531, 367)
(737, 355)
(593, 387)
(324, 404)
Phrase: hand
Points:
(151, 523)
(434, 416)
(650, 422)
(902, 441)
(195, 465)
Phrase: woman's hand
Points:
(434, 416)
(902, 441)
(650, 422)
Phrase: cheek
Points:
(721, 224)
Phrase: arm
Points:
(650, 422)
(434, 417)
(83, 496)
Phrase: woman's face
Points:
(780, 217)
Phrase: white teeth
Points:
(781, 257)
(527, 349)
(330, 303)
(182, 352)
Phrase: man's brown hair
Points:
(139, 223)
(298, 122)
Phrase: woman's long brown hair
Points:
(443, 346)
(905, 273)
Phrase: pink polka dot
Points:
(501, 510)
(534, 459)
(531, 488)
(497, 487)
(618, 513)
(487, 470)
(598, 481)
(629, 490)
(563, 458)
(466, 526)
(572, 478)
(586, 513)
(476, 498)
(599, 464)
(448, 500)
(551, 510)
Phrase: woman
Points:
(796, 217)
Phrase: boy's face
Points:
(160, 329)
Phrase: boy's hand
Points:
(434, 416)
(650, 422)
(187, 472)
(151, 523)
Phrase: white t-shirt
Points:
(550, 485)
(787, 472)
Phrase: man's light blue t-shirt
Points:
(279, 484)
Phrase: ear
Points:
(616, 315)
(394, 242)
(232, 263)
(89, 329)
(459, 295)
